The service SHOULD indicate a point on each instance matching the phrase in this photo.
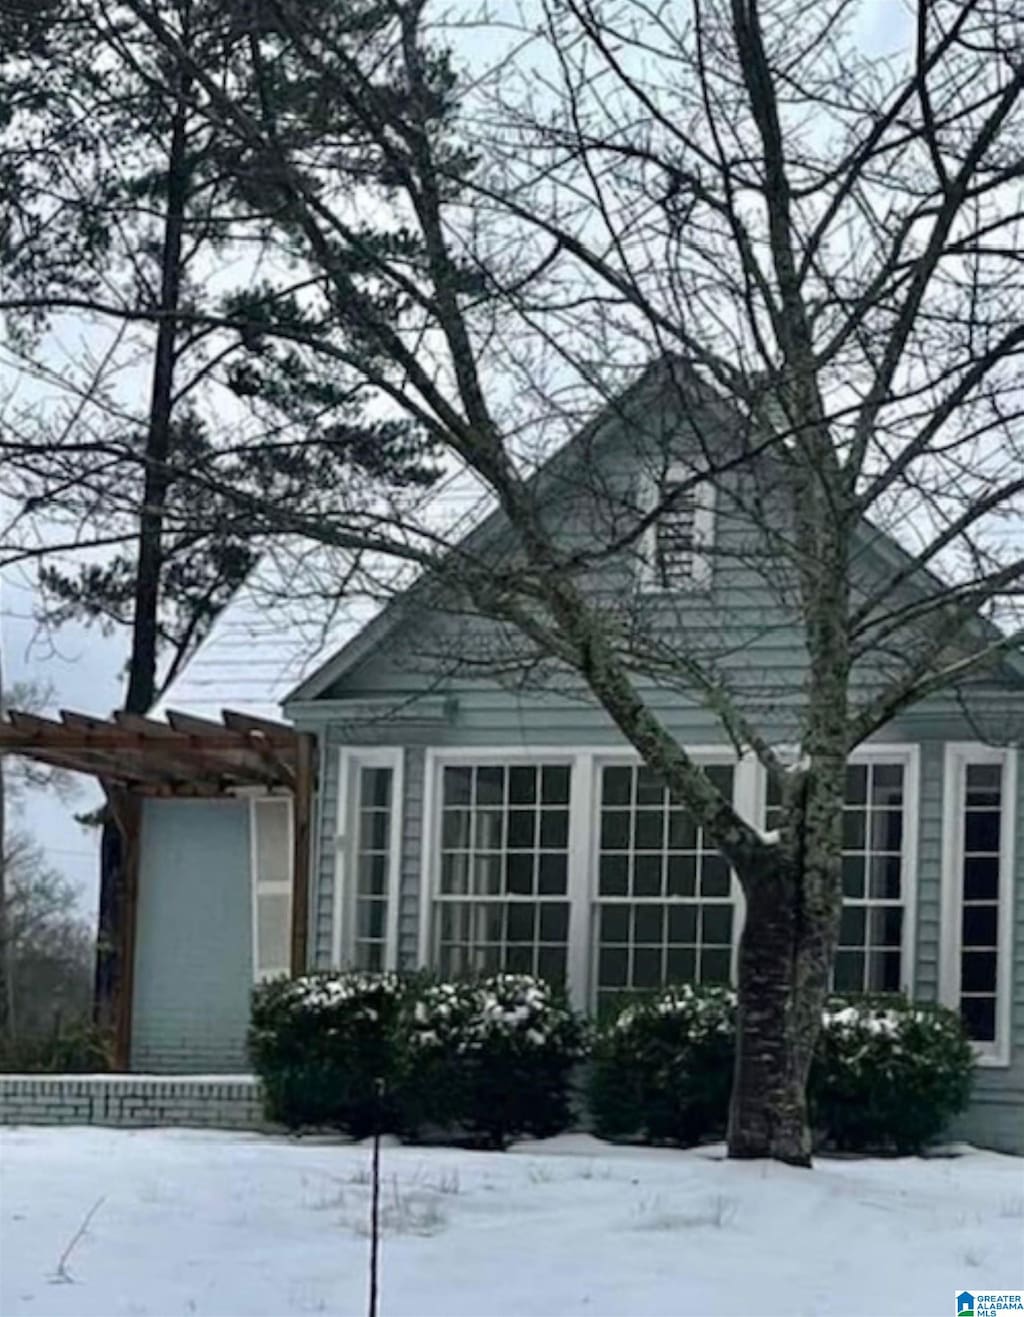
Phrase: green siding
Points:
(745, 623)
(193, 959)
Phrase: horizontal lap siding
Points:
(193, 958)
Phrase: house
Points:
(475, 810)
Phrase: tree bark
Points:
(785, 956)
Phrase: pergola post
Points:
(126, 807)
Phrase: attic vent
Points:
(680, 538)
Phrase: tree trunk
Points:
(785, 962)
(145, 615)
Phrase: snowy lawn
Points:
(233, 1225)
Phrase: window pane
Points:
(885, 877)
(555, 784)
(984, 783)
(682, 875)
(616, 786)
(981, 878)
(980, 926)
(522, 829)
(613, 967)
(553, 875)
(647, 875)
(375, 786)
(854, 829)
(455, 874)
(373, 875)
(885, 926)
(851, 927)
(456, 829)
(519, 874)
(978, 971)
(273, 843)
(714, 876)
(853, 876)
(615, 923)
(981, 831)
(883, 971)
(682, 923)
(887, 785)
(856, 784)
(715, 965)
(649, 923)
(680, 965)
(554, 828)
(849, 971)
(647, 963)
(613, 875)
(273, 932)
(650, 830)
(650, 789)
(490, 830)
(458, 786)
(373, 830)
(521, 919)
(551, 965)
(682, 831)
(979, 1016)
(490, 786)
(716, 924)
(614, 830)
(522, 785)
(554, 921)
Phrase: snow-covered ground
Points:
(233, 1225)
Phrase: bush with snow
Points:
(662, 1068)
(491, 1060)
(888, 1074)
(327, 1049)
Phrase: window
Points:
(369, 857)
(664, 896)
(875, 862)
(270, 823)
(980, 795)
(501, 893)
(677, 552)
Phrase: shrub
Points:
(491, 1060)
(76, 1047)
(662, 1069)
(327, 1050)
(888, 1075)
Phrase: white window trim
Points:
(703, 532)
(351, 760)
(958, 754)
(581, 887)
(279, 887)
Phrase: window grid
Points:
(271, 824)
(869, 956)
(373, 862)
(676, 921)
(979, 898)
(501, 901)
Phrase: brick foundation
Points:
(213, 1101)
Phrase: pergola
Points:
(132, 758)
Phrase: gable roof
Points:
(668, 378)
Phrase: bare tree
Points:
(820, 245)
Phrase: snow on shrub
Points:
(888, 1074)
(492, 1060)
(662, 1068)
(326, 1047)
